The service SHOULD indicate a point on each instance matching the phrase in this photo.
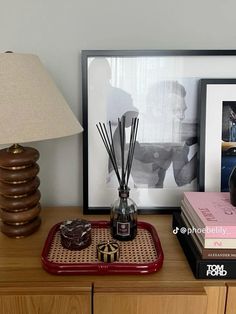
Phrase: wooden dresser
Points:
(26, 288)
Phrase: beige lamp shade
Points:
(31, 106)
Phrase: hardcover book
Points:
(212, 211)
(199, 232)
(202, 268)
(207, 253)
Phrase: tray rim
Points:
(100, 268)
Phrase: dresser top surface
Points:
(20, 259)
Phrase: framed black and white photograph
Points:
(161, 89)
(217, 133)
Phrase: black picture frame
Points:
(224, 68)
(215, 152)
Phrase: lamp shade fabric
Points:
(31, 106)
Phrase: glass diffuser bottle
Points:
(124, 210)
(124, 217)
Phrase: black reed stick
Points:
(113, 150)
(121, 125)
(130, 145)
(109, 150)
(107, 138)
(135, 131)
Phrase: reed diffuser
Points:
(124, 209)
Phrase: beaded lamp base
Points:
(19, 194)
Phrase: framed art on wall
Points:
(160, 88)
(217, 133)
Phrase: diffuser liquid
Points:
(124, 218)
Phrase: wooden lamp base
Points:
(19, 194)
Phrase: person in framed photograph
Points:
(228, 158)
(118, 102)
(170, 144)
(166, 108)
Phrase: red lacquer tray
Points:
(143, 255)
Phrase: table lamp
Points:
(31, 109)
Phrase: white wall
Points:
(57, 30)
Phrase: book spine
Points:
(218, 254)
(203, 269)
(193, 213)
(211, 231)
(214, 211)
(220, 243)
(207, 253)
(217, 269)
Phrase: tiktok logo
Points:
(175, 231)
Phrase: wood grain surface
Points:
(25, 284)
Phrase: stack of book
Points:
(206, 229)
